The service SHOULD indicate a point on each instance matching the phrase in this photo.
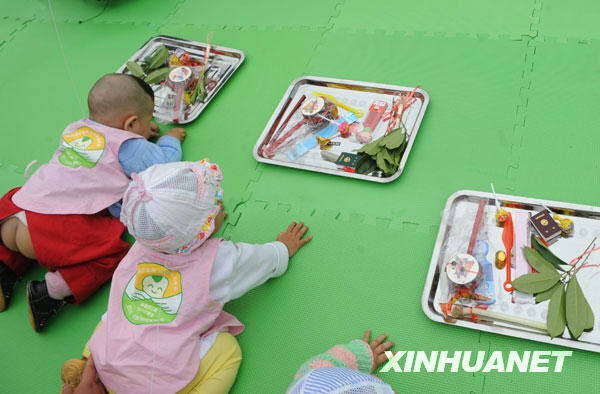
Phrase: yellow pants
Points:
(217, 370)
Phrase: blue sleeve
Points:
(137, 154)
(115, 209)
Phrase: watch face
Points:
(463, 270)
(180, 74)
(313, 106)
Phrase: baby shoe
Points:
(8, 279)
(41, 306)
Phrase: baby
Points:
(66, 214)
(347, 368)
(165, 330)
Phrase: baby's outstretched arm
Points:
(292, 237)
(240, 267)
(361, 355)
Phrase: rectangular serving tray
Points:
(225, 62)
(356, 94)
(455, 228)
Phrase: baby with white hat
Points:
(165, 329)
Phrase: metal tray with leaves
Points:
(453, 235)
(225, 61)
(356, 94)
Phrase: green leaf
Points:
(158, 59)
(534, 283)
(135, 69)
(556, 321)
(546, 253)
(370, 149)
(366, 165)
(382, 164)
(577, 308)
(547, 294)
(389, 157)
(157, 75)
(538, 262)
(386, 151)
(200, 90)
(398, 156)
(394, 139)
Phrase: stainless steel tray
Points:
(225, 62)
(455, 228)
(356, 94)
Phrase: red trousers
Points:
(84, 249)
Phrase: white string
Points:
(62, 50)
(495, 196)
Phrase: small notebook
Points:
(545, 226)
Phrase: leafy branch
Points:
(568, 306)
(384, 153)
(153, 69)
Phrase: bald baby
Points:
(116, 98)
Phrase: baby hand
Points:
(292, 237)
(177, 132)
(220, 218)
(378, 347)
(153, 130)
(90, 382)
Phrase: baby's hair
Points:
(115, 96)
(144, 86)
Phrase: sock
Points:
(57, 287)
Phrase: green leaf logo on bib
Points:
(82, 147)
(153, 295)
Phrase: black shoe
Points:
(41, 306)
(8, 279)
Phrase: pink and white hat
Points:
(171, 207)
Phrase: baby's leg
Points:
(218, 368)
(8, 230)
(15, 236)
(13, 263)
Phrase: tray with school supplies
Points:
(183, 82)
(491, 246)
(347, 128)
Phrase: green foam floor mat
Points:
(331, 295)
(491, 18)
(514, 88)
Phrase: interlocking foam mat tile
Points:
(511, 84)
(21, 9)
(556, 138)
(9, 27)
(331, 295)
(438, 16)
(98, 11)
(260, 13)
(575, 20)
